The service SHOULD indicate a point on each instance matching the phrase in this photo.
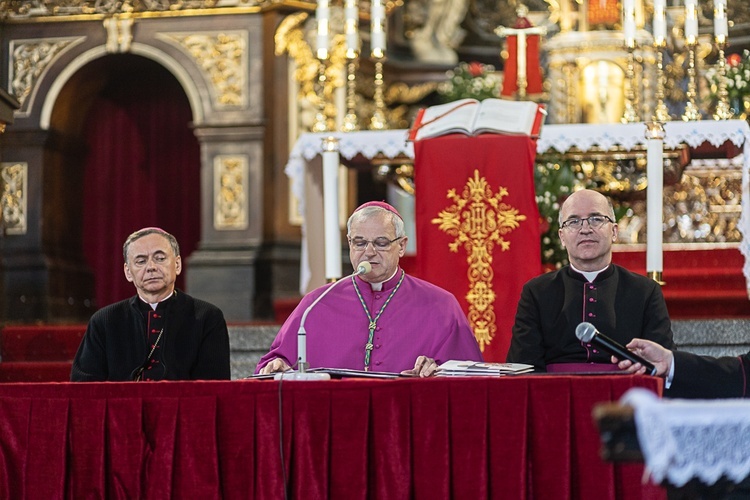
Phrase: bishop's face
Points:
(374, 240)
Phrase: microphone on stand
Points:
(586, 332)
(363, 267)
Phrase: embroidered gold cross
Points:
(478, 220)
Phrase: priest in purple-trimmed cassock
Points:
(382, 320)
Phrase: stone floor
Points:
(713, 337)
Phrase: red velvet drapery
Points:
(142, 169)
(478, 227)
(526, 437)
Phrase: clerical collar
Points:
(154, 305)
(376, 287)
(589, 275)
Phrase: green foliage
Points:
(738, 79)
(476, 80)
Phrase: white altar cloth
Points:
(692, 439)
(393, 143)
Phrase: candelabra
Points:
(631, 96)
(351, 123)
(321, 121)
(661, 113)
(378, 121)
(692, 113)
(723, 110)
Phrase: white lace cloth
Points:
(686, 439)
(393, 143)
(368, 143)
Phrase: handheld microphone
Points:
(364, 267)
(586, 332)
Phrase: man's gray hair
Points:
(145, 232)
(368, 212)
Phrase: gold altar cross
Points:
(521, 34)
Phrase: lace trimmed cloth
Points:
(692, 439)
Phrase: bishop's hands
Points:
(423, 367)
(652, 352)
(274, 366)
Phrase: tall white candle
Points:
(660, 22)
(654, 201)
(351, 28)
(628, 22)
(721, 29)
(322, 18)
(691, 21)
(377, 28)
(331, 230)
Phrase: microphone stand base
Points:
(304, 376)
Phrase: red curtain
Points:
(142, 169)
(478, 227)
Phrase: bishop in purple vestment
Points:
(382, 320)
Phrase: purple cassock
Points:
(419, 319)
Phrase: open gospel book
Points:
(472, 117)
(455, 368)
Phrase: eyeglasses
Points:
(381, 243)
(595, 222)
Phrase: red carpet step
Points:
(38, 353)
(698, 283)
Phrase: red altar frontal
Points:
(478, 227)
(512, 437)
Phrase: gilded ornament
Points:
(479, 220)
(13, 201)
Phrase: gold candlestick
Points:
(723, 110)
(378, 121)
(630, 114)
(661, 113)
(321, 121)
(692, 113)
(351, 123)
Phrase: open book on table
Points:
(472, 117)
(455, 368)
(336, 373)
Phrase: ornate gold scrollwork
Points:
(222, 57)
(29, 59)
(230, 186)
(478, 219)
(14, 178)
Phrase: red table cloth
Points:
(511, 437)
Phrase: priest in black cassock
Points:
(160, 333)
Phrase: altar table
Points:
(512, 437)
(392, 144)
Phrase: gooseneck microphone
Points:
(586, 332)
(364, 267)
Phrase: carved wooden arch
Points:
(192, 88)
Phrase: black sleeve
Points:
(90, 362)
(213, 356)
(526, 343)
(707, 377)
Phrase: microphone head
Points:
(364, 267)
(585, 332)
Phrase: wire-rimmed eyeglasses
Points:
(595, 222)
(381, 243)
